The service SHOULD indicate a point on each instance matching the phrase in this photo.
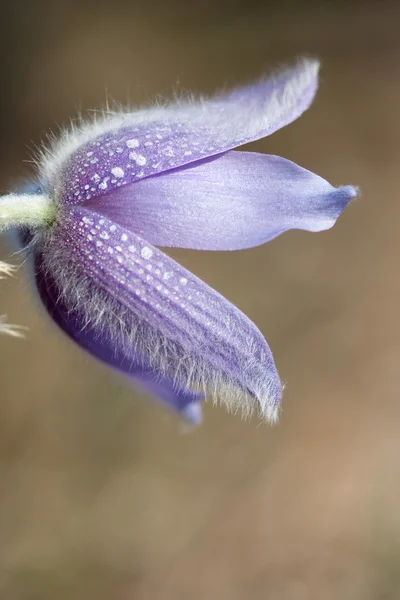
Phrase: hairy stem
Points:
(25, 209)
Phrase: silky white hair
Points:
(6, 270)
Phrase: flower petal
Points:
(180, 326)
(238, 200)
(92, 339)
(120, 149)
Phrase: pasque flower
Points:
(112, 190)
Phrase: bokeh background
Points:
(102, 494)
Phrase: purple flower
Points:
(167, 176)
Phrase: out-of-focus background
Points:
(102, 496)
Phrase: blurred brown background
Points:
(101, 494)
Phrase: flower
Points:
(112, 190)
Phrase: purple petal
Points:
(123, 148)
(92, 339)
(180, 326)
(238, 200)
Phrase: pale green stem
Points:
(25, 209)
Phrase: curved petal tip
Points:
(349, 191)
(340, 199)
(312, 65)
(193, 413)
